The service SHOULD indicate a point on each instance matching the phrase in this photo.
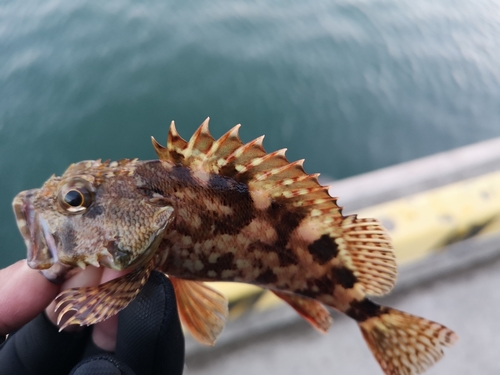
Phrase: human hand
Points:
(24, 293)
(146, 337)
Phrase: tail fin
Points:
(404, 343)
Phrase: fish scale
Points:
(221, 210)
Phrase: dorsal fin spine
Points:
(161, 152)
(156, 145)
(231, 135)
(273, 173)
(204, 126)
(173, 135)
(202, 130)
(258, 160)
(175, 144)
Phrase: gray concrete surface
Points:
(457, 288)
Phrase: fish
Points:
(212, 210)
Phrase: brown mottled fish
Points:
(220, 210)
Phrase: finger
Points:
(24, 293)
(150, 337)
(104, 333)
(88, 277)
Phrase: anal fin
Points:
(95, 304)
(311, 310)
(202, 310)
(366, 249)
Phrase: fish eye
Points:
(76, 197)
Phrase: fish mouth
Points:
(41, 245)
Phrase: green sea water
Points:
(349, 85)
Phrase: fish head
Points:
(94, 214)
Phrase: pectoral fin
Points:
(202, 310)
(97, 303)
(309, 309)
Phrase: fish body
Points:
(221, 210)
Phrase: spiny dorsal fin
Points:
(248, 163)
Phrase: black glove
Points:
(149, 341)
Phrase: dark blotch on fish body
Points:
(284, 221)
(267, 277)
(94, 211)
(365, 309)
(68, 238)
(219, 183)
(223, 262)
(323, 249)
(287, 258)
(344, 277)
(183, 174)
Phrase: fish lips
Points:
(41, 245)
